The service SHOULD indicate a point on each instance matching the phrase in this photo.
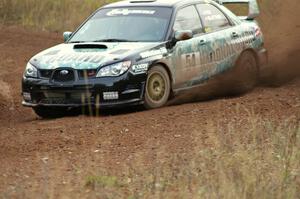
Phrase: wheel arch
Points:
(254, 53)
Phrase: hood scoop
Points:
(90, 46)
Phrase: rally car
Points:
(145, 52)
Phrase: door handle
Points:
(235, 35)
(202, 42)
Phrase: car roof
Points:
(154, 3)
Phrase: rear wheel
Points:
(50, 112)
(158, 87)
(245, 74)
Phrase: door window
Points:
(188, 19)
(212, 18)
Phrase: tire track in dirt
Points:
(5, 94)
(7, 104)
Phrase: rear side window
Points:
(188, 19)
(212, 18)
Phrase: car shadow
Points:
(94, 112)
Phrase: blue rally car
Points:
(145, 52)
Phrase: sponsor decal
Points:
(140, 68)
(202, 58)
(213, 17)
(74, 57)
(207, 12)
(152, 53)
(125, 12)
(119, 52)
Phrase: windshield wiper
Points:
(102, 40)
(76, 42)
(113, 40)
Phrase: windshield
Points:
(143, 24)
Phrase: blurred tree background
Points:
(61, 15)
(53, 15)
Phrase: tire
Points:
(158, 88)
(245, 74)
(50, 112)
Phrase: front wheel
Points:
(50, 112)
(158, 87)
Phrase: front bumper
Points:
(105, 92)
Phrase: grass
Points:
(246, 156)
(102, 181)
(250, 158)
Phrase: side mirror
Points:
(183, 35)
(67, 36)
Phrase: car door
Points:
(221, 37)
(210, 52)
(186, 54)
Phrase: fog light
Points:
(27, 96)
(110, 95)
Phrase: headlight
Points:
(114, 69)
(30, 71)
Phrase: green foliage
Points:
(102, 181)
(61, 15)
(53, 15)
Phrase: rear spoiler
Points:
(253, 7)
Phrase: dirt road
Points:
(27, 143)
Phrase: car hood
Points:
(89, 55)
